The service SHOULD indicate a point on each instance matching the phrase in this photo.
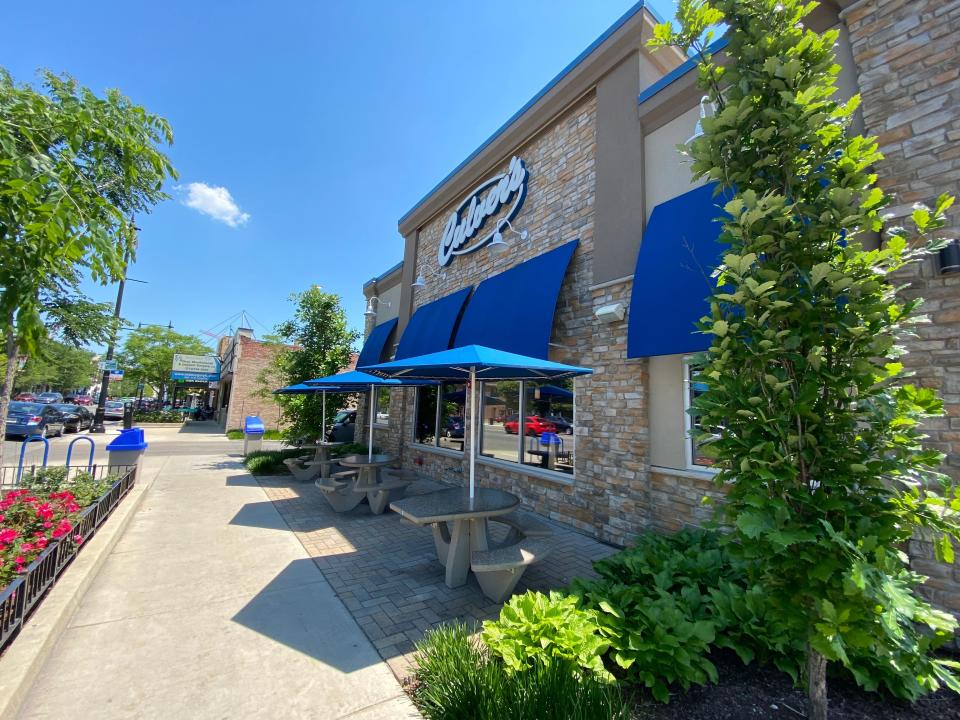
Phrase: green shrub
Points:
(458, 679)
(84, 487)
(656, 638)
(237, 434)
(352, 449)
(535, 628)
(270, 462)
(158, 416)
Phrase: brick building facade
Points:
(243, 359)
(600, 147)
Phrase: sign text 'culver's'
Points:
(468, 219)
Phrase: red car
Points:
(25, 397)
(534, 425)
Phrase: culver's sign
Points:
(486, 201)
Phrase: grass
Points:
(237, 434)
(457, 679)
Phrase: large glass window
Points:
(383, 406)
(529, 423)
(693, 389)
(440, 416)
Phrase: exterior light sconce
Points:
(950, 258)
(421, 281)
(371, 311)
(498, 245)
(610, 313)
(698, 130)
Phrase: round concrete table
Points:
(469, 518)
(369, 476)
(322, 456)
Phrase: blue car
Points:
(27, 419)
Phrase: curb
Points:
(22, 661)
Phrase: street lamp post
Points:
(97, 426)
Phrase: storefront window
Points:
(441, 424)
(383, 405)
(695, 455)
(537, 431)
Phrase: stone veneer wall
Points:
(909, 74)
(252, 358)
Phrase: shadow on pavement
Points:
(259, 515)
(239, 480)
(202, 427)
(291, 611)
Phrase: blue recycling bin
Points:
(253, 430)
(126, 449)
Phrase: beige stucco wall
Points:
(666, 171)
(667, 422)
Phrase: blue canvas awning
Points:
(432, 325)
(373, 348)
(513, 311)
(672, 281)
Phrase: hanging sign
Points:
(195, 368)
(486, 201)
(116, 375)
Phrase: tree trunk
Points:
(7, 389)
(816, 684)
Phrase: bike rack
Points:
(93, 447)
(23, 451)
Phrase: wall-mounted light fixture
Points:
(371, 311)
(698, 130)
(498, 245)
(421, 281)
(950, 258)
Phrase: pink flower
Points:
(20, 560)
(48, 525)
(63, 527)
(78, 539)
(26, 547)
(42, 543)
(8, 536)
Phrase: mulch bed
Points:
(756, 692)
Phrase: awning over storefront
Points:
(672, 281)
(373, 349)
(513, 311)
(432, 325)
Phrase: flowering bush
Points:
(29, 522)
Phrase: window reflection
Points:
(440, 416)
(530, 423)
(383, 405)
(425, 430)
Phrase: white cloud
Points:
(217, 202)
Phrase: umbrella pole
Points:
(323, 417)
(473, 429)
(370, 439)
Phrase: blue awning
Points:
(432, 325)
(672, 281)
(513, 311)
(373, 348)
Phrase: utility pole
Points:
(97, 426)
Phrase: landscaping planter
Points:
(23, 594)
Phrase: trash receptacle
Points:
(127, 415)
(126, 449)
(253, 430)
(551, 442)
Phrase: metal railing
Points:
(24, 593)
(13, 476)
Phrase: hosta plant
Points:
(537, 628)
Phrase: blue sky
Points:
(324, 121)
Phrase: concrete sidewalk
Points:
(209, 607)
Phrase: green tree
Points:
(814, 428)
(57, 366)
(322, 344)
(147, 354)
(74, 170)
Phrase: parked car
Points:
(563, 425)
(343, 426)
(75, 417)
(113, 410)
(33, 420)
(50, 397)
(453, 427)
(534, 425)
(26, 397)
(84, 400)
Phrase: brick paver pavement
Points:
(386, 570)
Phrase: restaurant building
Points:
(575, 234)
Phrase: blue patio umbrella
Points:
(470, 363)
(356, 381)
(304, 389)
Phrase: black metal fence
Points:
(24, 593)
(13, 476)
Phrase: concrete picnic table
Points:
(469, 518)
(369, 467)
(322, 456)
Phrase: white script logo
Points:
(470, 217)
